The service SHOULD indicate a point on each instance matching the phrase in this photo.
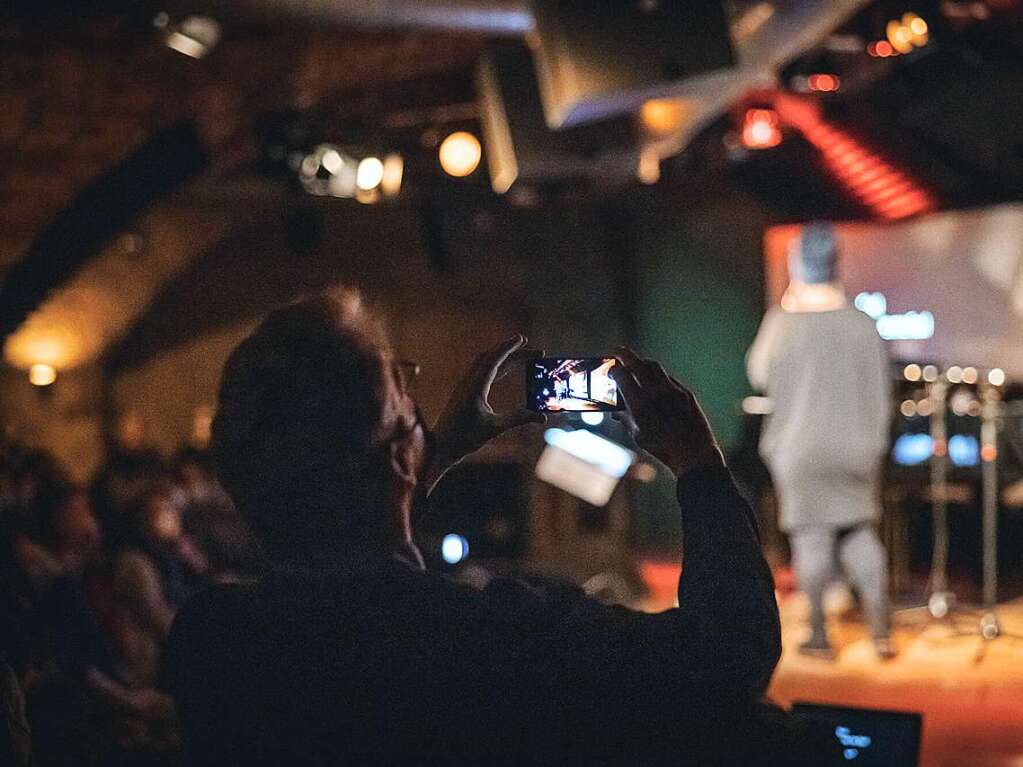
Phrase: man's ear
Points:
(402, 458)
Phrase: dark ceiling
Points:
(83, 93)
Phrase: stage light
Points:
(960, 401)
(460, 154)
(954, 374)
(760, 129)
(899, 36)
(369, 173)
(331, 161)
(964, 450)
(996, 377)
(908, 408)
(930, 373)
(195, 36)
(988, 453)
(874, 305)
(924, 407)
(593, 419)
(454, 548)
(881, 49)
(648, 171)
(970, 375)
(662, 117)
(913, 449)
(41, 374)
(911, 372)
(917, 29)
(394, 170)
(823, 83)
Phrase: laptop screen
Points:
(869, 736)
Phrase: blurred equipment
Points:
(583, 464)
(520, 146)
(194, 36)
(596, 60)
(869, 736)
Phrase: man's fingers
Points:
(491, 361)
(628, 388)
(523, 354)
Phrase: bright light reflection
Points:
(42, 374)
(454, 548)
(370, 173)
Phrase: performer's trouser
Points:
(862, 558)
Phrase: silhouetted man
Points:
(350, 652)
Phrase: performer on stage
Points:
(825, 369)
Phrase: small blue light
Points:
(964, 450)
(454, 548)
(913, 449)
(850, 754)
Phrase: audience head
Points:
(155, 518)
(813, 255)
(65, 523)
(315, 436)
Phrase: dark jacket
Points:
(388, 664)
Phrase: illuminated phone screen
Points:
(557, 384)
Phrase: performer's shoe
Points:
(884, 648)
(818, 648)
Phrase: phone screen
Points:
(558, 384)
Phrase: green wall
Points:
(698, 296)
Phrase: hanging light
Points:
(760, 129)
(460, 154)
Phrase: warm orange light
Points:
(648, 171)
(988, 453)
(42, 374)
(760, 129)
(823, 83)
(662, 117)
(460, 154)
(882, 49)
(900, 36)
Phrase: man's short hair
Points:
(306, 410)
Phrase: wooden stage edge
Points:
(969, 691)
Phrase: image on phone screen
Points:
(556, 384)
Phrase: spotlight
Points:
(460, 154)
(954, 374)
(593, 419)
(369, 174)
(996, 377)
(662, 117)
(195, 36)
(393, 171)
(912, 372)
(823, 83)
(42, 374)
(930, 373)
(760, 129)
(454, 548)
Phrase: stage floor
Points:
(969, 692)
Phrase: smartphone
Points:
(581, 384)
